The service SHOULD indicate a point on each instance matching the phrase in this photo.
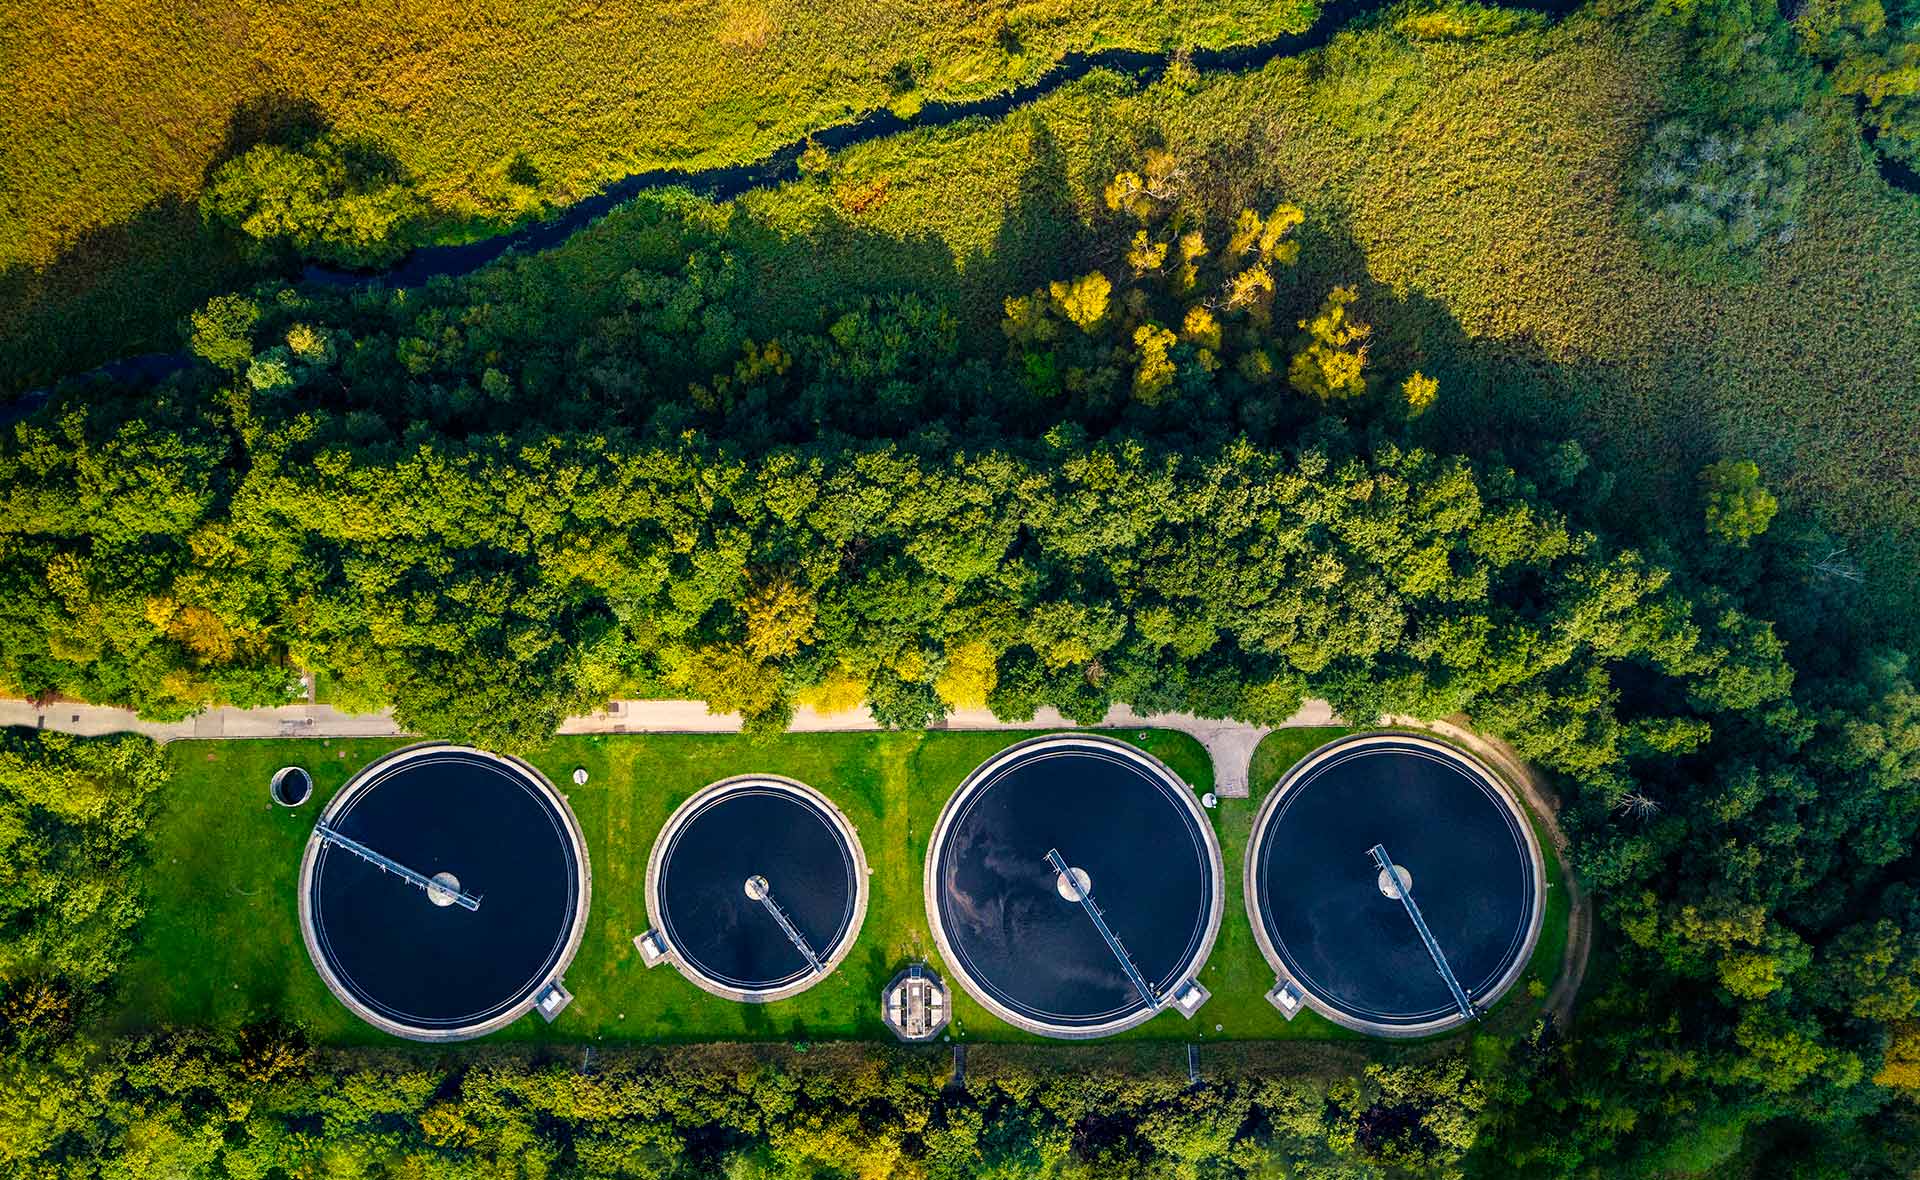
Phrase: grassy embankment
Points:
(113, 114)
(221, 942)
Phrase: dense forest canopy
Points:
(1189, 464)
(1096, 507)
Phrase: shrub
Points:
(221, 332)
(1874, 56)
(1463, 20)
(1332, 357)
(73, 814)
(1738, 508)
(1708, 198)
(327, 200)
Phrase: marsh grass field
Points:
(1473, 187)
(113, 116)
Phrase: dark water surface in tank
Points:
(443, 967)
(1352, 945)
(766, 831)
(1037, 952)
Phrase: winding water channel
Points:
(782, 166)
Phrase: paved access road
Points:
(1231, 743)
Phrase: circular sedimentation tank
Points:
(1329, 918)
(1012, 928)
(391, 868)
(740, 869)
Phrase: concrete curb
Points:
(956, 966)
(835, 954)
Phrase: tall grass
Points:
(111, 110)
(1480, 194)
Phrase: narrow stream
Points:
(783, 165)
(780, 167)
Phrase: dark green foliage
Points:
(1871, 52)
(488, 587)
(258, 1102)
(495, 502)
(876, 502)
(902, 704)
(72, 813)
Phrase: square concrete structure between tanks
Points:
(1189, 996)
(652, 947)
(915, 1004)
(1285, 997)
(553, 1000)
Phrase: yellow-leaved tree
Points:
(841, 692)
(1331, 359)
(970, 674)
(1083, 300)
(1420, 391)
(780, 616)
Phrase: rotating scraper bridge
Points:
(757, 888)
(1072, 885)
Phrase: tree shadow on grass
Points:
(1501, 397)
(121, 290)
(277, 118)
(114, 292)
(1504, 400)
(757, 1022)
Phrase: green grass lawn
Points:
(221, 943)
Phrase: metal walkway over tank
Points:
(386, 864)
(760, 891)
(1085, 898)
(1390, 874)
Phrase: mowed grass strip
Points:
(221, 942)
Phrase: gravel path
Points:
(1231, 743)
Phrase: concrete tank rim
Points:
(656, 860)
(1504, 790)
(576, 932)
(930, 896)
